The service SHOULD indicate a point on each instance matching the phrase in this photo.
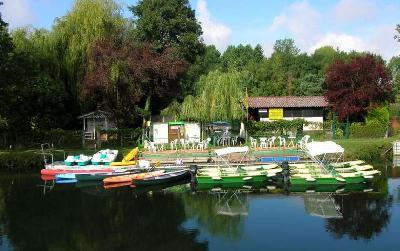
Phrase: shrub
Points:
(373, 129)
(261, 128)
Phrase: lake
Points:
(39, 216)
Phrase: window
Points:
(263, 113)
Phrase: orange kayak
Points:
(130, 177)
(115, 185)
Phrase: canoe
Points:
(45, 177)
(115, 185)
(130, 177)
(65, 176)
(101, 176)
(76, 171)
(164, 178)
(66, 181)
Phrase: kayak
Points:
(128, 160)
(115, 185)
(65, 176)
(130, 177)
(80, 171)
(101, 176)
(163, 178)
(66, 181)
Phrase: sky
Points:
(361, 25)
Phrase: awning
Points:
(176, 123)
(229, 150)
(318, 148)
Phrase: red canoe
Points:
(77, 171)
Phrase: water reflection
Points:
(365, 215)
(85, 216)
(69, 219)
(220, 212)
(323, 205)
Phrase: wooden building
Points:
(96, 121)
(269, 108)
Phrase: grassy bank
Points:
(367, 149)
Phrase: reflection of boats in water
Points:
(322, 205)
(365, 187)
(231, 203)
(249, 186)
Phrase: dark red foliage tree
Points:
(353, 88)
(120, 75)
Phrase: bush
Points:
(261, 128)
(27, 160)
(373, 129)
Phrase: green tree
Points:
(241, 57)
(220, 97)
(394, 67)
(209, 61)
(36, 94)
(309, 85)
(6, 50)
(169, 23)
(73, 34)
(323, 57)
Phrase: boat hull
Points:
(232, 179)
(76, 171)
(162, 179)
(326, 181)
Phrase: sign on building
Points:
(275, 113)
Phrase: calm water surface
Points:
(88, 217)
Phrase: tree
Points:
(169, 23)
(73, 34)
(220, 97)
(394, 67)
(398, 31)
(241, 57)
(6, 49)
(309, 85)
(119, 75)
(36, 94)
(355, 87)
(209, 61)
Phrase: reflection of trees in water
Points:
(72, 220)
(364, 216)
(221, 214)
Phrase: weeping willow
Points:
(72, 35)
(220, 97)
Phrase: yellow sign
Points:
(275, 113)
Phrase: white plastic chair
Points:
(282, 141)
(271, 141)
(263, 142)
(253, 142)
(152, 147)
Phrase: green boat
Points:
(326, 169)
(226, 173)
(232, 178)
(326, 179)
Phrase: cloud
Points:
(214, 33)
(301, 20)
(17, 13)
(342, 41)
(351, 10)
(380, 42)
